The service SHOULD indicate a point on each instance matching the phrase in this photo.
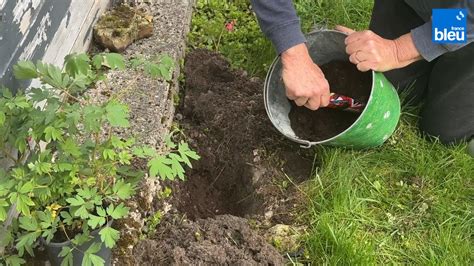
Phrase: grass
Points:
(328, 13)
(408, 202)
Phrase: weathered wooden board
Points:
(44, 29)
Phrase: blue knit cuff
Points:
(286, 36)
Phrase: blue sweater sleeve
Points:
(279, 22)
(422, 34)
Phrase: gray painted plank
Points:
(44, 29)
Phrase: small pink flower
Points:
(230, 25)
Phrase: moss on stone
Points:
(121, 26)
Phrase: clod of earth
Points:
(222, 240)
(325, 123)
(285, 238)
(121, 26)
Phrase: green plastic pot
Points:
(372, 128)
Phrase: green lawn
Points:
(408, 202)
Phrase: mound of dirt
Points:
(344, 78)
(246, 170)
(226, 122)
(223, 240)
(224, 118)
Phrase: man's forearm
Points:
(294, 53)
(406, 50)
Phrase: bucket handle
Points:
(307, 145)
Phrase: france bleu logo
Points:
(449, 25)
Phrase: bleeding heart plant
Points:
(72, 173)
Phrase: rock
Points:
(255, 79)
(268, 215)
(149, 189)
(121, 26)
(285, 238)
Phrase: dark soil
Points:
(60, 237)
(345, 79)
(223, 240)
(225, 119)
(246, 169)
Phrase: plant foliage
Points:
(243, 43)
(72, 174)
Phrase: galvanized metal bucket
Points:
(372, 128)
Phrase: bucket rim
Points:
(307, 143)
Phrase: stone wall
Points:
(151, 100)
(151, 103)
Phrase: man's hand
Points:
(369, 51)
(304, 81)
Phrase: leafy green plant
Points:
(158, 66)
(245, 45)
(72, 174)
(231, 28)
